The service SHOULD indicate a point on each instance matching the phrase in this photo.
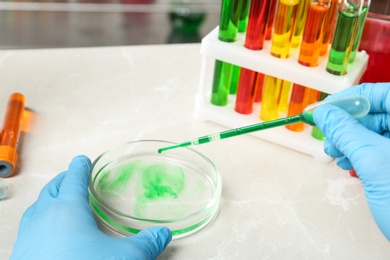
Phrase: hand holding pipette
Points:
(357, 106)
(363, 145)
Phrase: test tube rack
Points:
(288, 69)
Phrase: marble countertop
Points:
(276, 203)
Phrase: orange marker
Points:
(10, 132)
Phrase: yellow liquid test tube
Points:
(284, 96)
(283, 27)
(10, 132)
(274, 89)
(300, 22)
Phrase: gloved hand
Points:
(60, 225)
(363, 145)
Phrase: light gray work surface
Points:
(276, 203)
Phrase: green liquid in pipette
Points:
(357, 106)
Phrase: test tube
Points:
(270, 20)
(243, 20)
(316, 132)
(234, 79)
(228, 27)
(221, 83)
(358, 36)
(329, 24)
(271, 92)
(274, 94)
(284, 96)
(312, 35)
(301, 97)
(229, 18)
(300, 21)
(254, 40)
(258, 15)
(283, 27)
(296, 106)
(259, 87)
(308, 56)
(344, 34)
(242, 25)
(9, 137)
(246, 91)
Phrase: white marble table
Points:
(276, 203)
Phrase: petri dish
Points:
(133, 187)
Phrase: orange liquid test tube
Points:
(301, 97)
(329, 24)
(9, 136)
(296, 106)
(312, 35)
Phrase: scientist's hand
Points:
(363, 145)
(60, 225)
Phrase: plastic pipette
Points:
(357, 106)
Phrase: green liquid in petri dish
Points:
(161, 180)
(158, 180)
(116, 183)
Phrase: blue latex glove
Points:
(60, 225)
(363, 145)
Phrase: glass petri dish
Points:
(133, 187)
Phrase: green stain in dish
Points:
(162, 180)
(158, 180)
(117, 181)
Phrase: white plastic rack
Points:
(288, 69)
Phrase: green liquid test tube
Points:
(242, 25)
(234, 80)
(244, 15)
(358, 37)
(316, 132)
(229, 18)
(221, 83)
(356, 106)
(343, 37)
(228, 27)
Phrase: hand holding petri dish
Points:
(133, 187)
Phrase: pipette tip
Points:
(173, 147)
